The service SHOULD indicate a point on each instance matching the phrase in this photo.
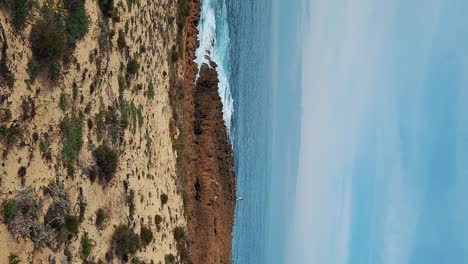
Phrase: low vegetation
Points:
(101, 218)
(10, 211)
(77, 21)
(107, 7)
(151, 90)
(107, 161)
(63, 102)
(73, 140)
(164, 198)
(33, 68)
(86, 246)
(146, 235)
(8, 135)
(21, 215)
(132, 67)
(124, 241)
(131, 203)
(48, 44)
(179, 234)
(13, 259)
(169, 259)
(19, 10)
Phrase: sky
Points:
(382, 167)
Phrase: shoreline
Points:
(206, 163)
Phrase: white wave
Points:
(214, 43)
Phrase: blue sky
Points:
(383, 153)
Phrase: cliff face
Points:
(50, 131)
(210, 181)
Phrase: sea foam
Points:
(213, 35)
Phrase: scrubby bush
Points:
(73, 140)
(57, 216)
(19, 12)
(72, 224)
(13, 259)
(77, 21)
(163, 198)
(125, 241)
(132, 67)
(131, 203)
(179, 234)
(68, 255)
(10, 210)
(48, 41)
(107, 161)
(10, 80)
(8, 135)
(5, 115)
(101, 218)
(158, 220)
(23, 221)
(169, 259)
(107, 7)
(86, 246)
(151, 90)
(63, 102)
(33, 68)
(146, 235)
(121, 42)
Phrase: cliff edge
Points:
(208, 160)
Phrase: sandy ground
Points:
(149, 168)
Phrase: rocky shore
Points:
(209, 181)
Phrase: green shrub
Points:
(107, 7)
(63, 102)
(73, 139)
(184, 11)
(101, 218)
(54, 70)
(8, 135)
(164, 198)
(75, 91)
(151, 90)
(86, 246)
(72, 224)
(146, 235)
(121, 42)
(68, 255)
(100, 124)
(10, 210)
(107, 161)
(10, 80)
(131, 203)
(48, 40)
(33, 68)
(169, 259)
(19, 12)
(125, 241)
(132, 67)
(5, 114)
(113, 122)
(140, 115)
(158, 220)
(77, 22)
(13, 259)
(43, 146)
(179, 234)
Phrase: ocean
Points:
(349, 126)
(261, 104)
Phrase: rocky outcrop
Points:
(209, 161)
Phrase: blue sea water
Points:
(260, 89)
(349, 123)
